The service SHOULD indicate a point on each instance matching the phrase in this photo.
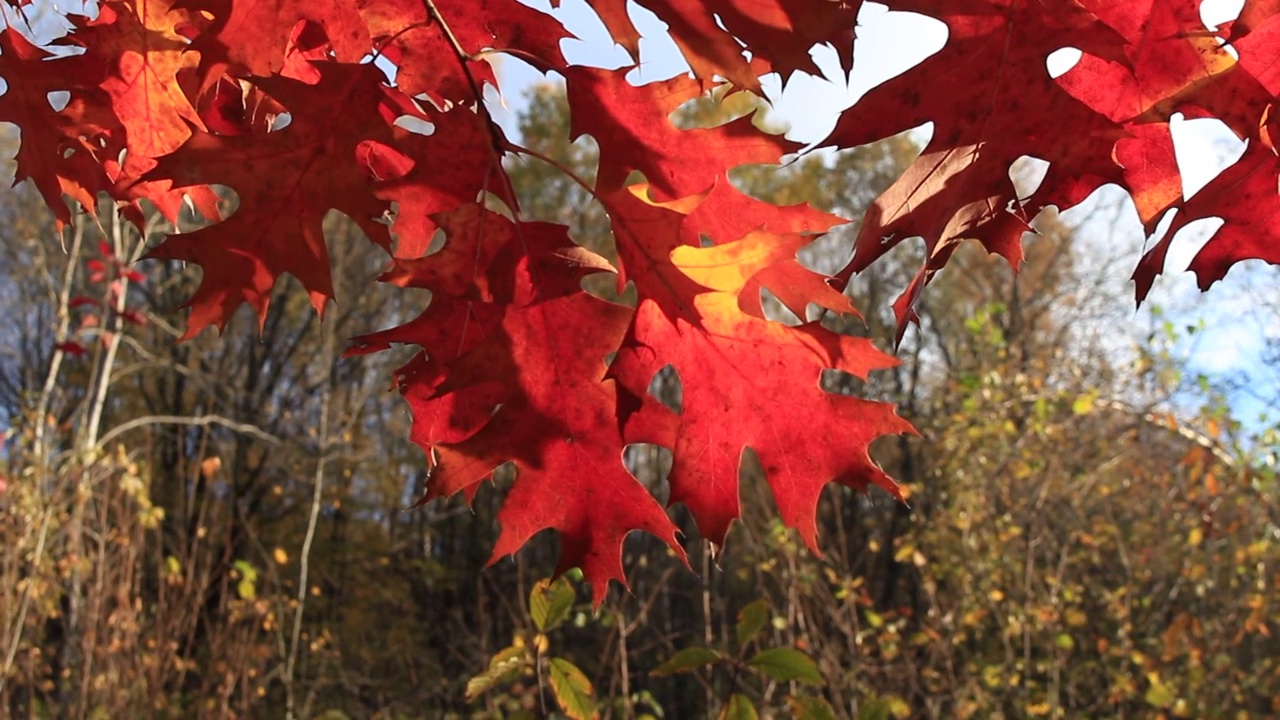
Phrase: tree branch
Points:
(232, 425)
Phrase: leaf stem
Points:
(555, 164)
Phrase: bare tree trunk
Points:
(317, 497)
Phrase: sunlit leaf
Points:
(503, 666)
(572, 689)
(550, 603)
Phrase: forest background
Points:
(1090, 531)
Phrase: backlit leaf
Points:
(550, 603)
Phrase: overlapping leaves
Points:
(291, 107)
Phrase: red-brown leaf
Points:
(287, 181)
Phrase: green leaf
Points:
(739, 707)
(874, 709)
(247, 587)
(643, 699)
(890, 707)
(787, 664)
(810, 708)
(751, 619)
(687, 659)
(1159, 695)
(898, 707)
(550, 603)
(572, 690)
(502, 666)
(1083, 405)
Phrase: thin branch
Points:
(21, 620)
(60, 335)
(116, 325)
(555, 164)
(232, 425)
(317, 497)
(495, 136)
(1178, 428)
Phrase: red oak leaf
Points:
(237, 107)
(632, 125)
(286, 181)
(778, 34)
(513, 369)
(762, 373)
(766, 376)
(1260, 53)
(141, 50)
(425, 58)
(1150, 170)
(60, 150)
(761, 260)
(726, 214)
(251, 37)
(560, 431)
(1168, 56)
(484, 266)
(1246, 198)
(478, 240)
(452, 167)
(613, 13)
(1172, 63)
(1254, 14)
(959, 187)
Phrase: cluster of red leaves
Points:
(279, 102)
(113, 275)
